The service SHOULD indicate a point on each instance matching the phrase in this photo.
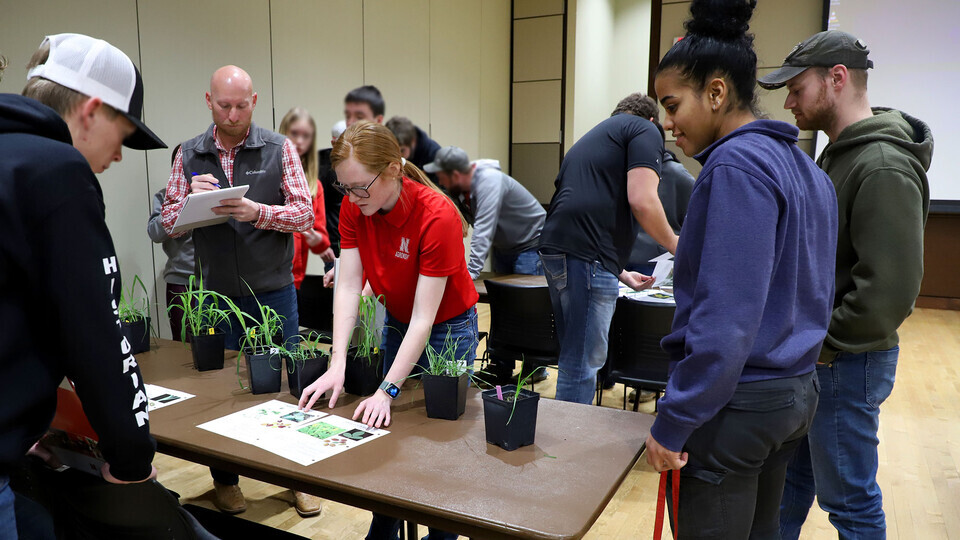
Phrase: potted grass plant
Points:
(202, 319)
(445, 380)
(305, 362)
(261, 350)
(362, 373)
(134, 316)
(510, 413)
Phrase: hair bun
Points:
(727, 20)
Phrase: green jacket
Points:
(878, 166)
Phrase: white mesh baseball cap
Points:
(96, 68)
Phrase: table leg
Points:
(411, 531)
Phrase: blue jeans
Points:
(8, 521)
(584, 296)
(525, 262)
(284, 302)
(464, 327)
(838, 461)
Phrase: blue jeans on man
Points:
(462, 329)
(8, 521)
(838, 461)
(526, 262)
(284, 302)
(584, 296)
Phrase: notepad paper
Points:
(197, 211)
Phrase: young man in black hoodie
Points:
(58, 268)
(877, 159)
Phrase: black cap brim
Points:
(779, 78)
(143, 138)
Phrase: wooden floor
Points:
(919, 457)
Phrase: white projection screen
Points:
(915, 48)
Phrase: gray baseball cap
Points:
(825, 49)
(448, 158)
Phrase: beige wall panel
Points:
(538, 49)
(536, 112)
(536, 167)
(396, 48)
(316, 58)
(536, 8)
(672, 17)
(594, 61)
(125, 192)
(631, 49)
(570, 95)
(454, 74)
(495, 81)
(780, 24)
(179, 55)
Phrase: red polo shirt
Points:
(420, 235)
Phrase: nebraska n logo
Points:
(404, 251)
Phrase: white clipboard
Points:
(197, 211)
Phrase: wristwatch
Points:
(391, 389)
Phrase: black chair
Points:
(315, 307)
(634, 355)
(522, 327)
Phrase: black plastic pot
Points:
(362, 375)
(137, 334)
(446, 397)
(207, 350)
(521, 429)
(304, 373)
(264, 368)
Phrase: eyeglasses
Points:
(359, 192)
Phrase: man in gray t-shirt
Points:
(507, 218)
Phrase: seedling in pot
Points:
(259, 333)
(202, 312)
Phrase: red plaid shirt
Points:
(294, 216)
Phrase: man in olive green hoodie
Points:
(877, 159)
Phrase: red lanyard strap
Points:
(662, 502)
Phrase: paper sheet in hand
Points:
(663, 272)
(304, 437)
(198, 210)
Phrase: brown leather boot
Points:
(229, 499)
(307, 505)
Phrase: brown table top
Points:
(438, 473)
(512, 279)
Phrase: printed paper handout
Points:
(303, 437)
(655, 296)
(159, 397)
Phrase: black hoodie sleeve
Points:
(79, 267)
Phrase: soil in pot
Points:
(446, 397)
(304, 373)
(362, 375)
(264, 369)
(207, 350)
(137, 334)
(521, 429)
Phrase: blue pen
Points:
(215, 183)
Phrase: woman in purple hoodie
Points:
(753, 281)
